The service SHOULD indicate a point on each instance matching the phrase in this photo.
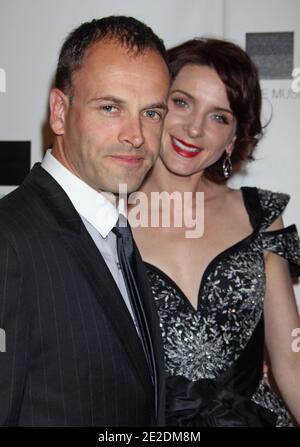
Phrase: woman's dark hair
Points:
(129, 32)
(240, 77)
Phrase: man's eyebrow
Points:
(157, 105)
(110, 98)
(116, 100)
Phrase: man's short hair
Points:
(127, 31)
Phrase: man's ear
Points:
(59, 104)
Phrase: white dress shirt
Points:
(98, 214)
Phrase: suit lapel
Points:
(84, 251)
(88, 257)
(153, 323)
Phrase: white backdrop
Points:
(32, 31)
(277, 165)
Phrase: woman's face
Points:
(200, 124)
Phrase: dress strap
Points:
(286, 243)
(263, 208)
(272, 204)
(253, 206)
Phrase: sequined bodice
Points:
(204, 343)
(208, 340)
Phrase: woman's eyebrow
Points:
(182, 92)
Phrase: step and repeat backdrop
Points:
(32, 32)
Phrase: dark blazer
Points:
(73, 356)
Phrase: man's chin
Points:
(130, 184)
(127, 188)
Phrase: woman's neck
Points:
(161, 179)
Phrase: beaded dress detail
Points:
(214, 355)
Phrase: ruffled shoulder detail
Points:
(272, 206)
(286, 243)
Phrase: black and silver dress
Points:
(214, 355)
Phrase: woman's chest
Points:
(186, 260)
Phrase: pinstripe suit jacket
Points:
(73, 356)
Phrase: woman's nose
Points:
(195, 126)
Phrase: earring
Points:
(227, 166)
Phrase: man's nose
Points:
(131, 133)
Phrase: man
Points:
(76, 353)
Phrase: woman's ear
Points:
(59, 104)
(230, 146)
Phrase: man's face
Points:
(109, 134)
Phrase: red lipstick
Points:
(185, 149)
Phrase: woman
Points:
(221, 296)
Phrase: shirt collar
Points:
(89, 203)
